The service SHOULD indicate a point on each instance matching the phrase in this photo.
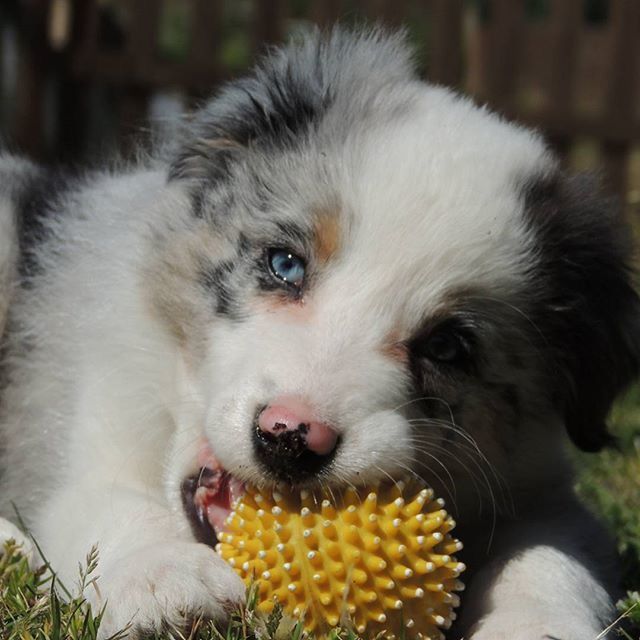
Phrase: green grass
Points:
(34, 605)
(609, 483)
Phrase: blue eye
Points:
(286, 266)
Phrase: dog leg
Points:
(538, 593)
(150, 574)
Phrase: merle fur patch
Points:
(285, 98)
(273, 108)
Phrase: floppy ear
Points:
(584, 301)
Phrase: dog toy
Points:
(378, 559)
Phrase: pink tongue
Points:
(215, 494)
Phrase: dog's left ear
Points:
(583, 300)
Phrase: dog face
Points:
(396, 280)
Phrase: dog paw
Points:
(9, 531)
(165, 586)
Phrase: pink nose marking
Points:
(293, 414)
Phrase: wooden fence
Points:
(570, 67)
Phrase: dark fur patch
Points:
(216, 280)
(35, 203)
(583, 301)
(284, 109)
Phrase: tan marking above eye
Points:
(327, 235)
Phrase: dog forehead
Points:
(434, 203)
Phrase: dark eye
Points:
(286, 266)
(444, 346)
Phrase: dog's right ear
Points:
(586, 306)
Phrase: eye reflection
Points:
(287, 266)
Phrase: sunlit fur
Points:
(147, 318)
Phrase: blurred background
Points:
(79, 77)
(82, 78)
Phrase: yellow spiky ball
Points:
(378, 559)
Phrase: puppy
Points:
(338, 274)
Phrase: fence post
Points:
(622, 90)
(502, 59)
(268, 22)
(566, 16)
(446, 47)
(34, 64)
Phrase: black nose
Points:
(286, 456)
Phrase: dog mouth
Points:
(208, 499)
